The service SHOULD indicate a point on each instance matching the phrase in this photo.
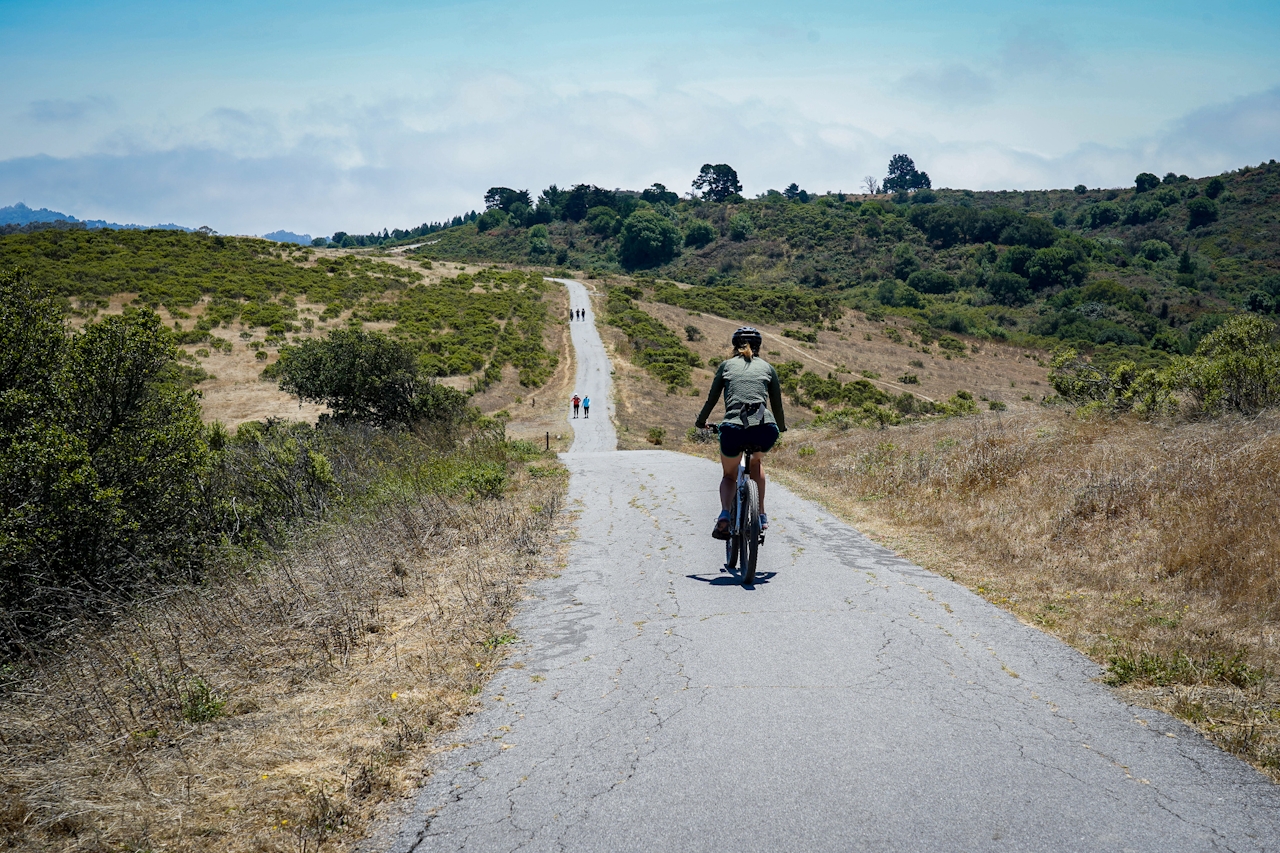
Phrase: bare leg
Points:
(729, 482)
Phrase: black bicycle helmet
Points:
(748, 335)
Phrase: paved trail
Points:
(593, 378)
(851, 701)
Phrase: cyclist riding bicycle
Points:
(747, 383)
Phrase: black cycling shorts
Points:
(735, 439)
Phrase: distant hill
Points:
(288, 237)
(20, 214)
(1142, 272)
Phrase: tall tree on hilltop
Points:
(717, 182)
(903, 176)
(503, 198)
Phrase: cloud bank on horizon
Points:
(318, 117)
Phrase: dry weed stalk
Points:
(1153, 548)
(272, 710)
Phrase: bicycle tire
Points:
(738, 548)
(750, 535)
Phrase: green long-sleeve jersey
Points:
(744, 383)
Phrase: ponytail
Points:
(744, 350)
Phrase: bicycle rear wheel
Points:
(750, 527)
(731, 553)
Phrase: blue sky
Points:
(315, 117)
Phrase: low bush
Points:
(656, 348)
(1235, 369)
(110, 486)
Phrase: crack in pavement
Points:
(853, 701)
(888, 723)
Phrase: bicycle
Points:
(745, 536)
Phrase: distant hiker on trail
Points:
(582, 315)
(586, 407)
(577, 401)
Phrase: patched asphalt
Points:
(849, 701)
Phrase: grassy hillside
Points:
(221, 293)
(256, 282)
(1117, 271)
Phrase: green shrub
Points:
(754, 304)
(865, 415)
(1100, 215)
(1201, 211)
(931, 281)
(905, 261)
(1143, 667)
(1235, 368)
(100, 460)
(699, 233)
(199, 703)
(539, 240)
(1145, 182)
(961, 403)
(491, 219)
(1009, 289)
(898, 295)
(656, 348)
(656, 435)
(741, 227)
(1155, 250)
(909, 379)
(603, 221)
(480, 480)
(648, 239)
(366, 376)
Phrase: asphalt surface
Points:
(593, 378)
(849, 701)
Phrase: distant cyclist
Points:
(747, 383)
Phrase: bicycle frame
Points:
(745, 536)
(741, 491)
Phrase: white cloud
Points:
(400, 162)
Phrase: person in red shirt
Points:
(577, 401)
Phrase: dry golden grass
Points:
(237, 393)
(538, 412)
(274, 710)
(1155, 549)
(998, 372)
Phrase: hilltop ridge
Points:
(1140, 272)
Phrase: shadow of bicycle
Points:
(727, 578)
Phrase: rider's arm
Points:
(775, 401)
(717, 388)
